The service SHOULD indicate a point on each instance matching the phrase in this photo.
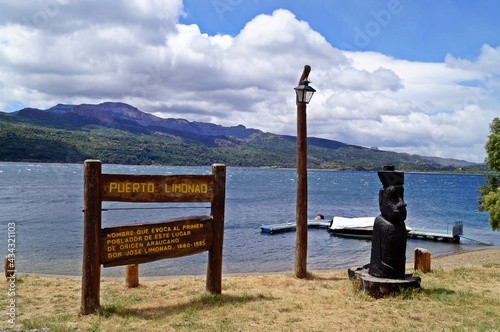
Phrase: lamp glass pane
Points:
(308, 96)
(300, 95)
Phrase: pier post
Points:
(132, 275)
(8, 267)
(422, 260)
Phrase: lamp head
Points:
(304, 92)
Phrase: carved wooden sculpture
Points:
(388, 255)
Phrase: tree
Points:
(490, 193)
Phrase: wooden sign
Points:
(134, 244)
(144, 243)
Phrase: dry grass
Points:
(461, 294)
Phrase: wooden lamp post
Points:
(304, 94)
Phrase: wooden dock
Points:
(288, 227)
(454, 235)
(432, 234)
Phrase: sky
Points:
(420, 77)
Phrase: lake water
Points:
(45, 202)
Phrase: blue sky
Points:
(421, 77)
(425, 30)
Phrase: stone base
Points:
(380, 287)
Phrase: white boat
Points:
(352, 227)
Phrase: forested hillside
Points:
(120, 134)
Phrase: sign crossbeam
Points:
(154, 188)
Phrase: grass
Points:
(460, 298)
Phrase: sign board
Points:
(134, 244)
(144, 243)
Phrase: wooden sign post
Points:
(141, 243)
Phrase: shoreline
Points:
(460, 259)
(469, 258)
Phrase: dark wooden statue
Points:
(388, 255)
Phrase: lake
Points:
(45, 202)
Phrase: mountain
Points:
(125, 117)
(120, 133)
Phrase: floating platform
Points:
(437, 235)
(432, 234)
(454, 236)
(288, 227)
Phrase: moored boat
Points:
(361, 227)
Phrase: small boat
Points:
(361, 227)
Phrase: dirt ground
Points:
(461, 294)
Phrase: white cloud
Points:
(485, 64)
(438, 112)
(137, 52)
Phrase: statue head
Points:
(391, 195)
(392, 204)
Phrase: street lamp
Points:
(304, 94)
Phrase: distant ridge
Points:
(116, 132)
(126, 117)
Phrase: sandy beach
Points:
(468, 258)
